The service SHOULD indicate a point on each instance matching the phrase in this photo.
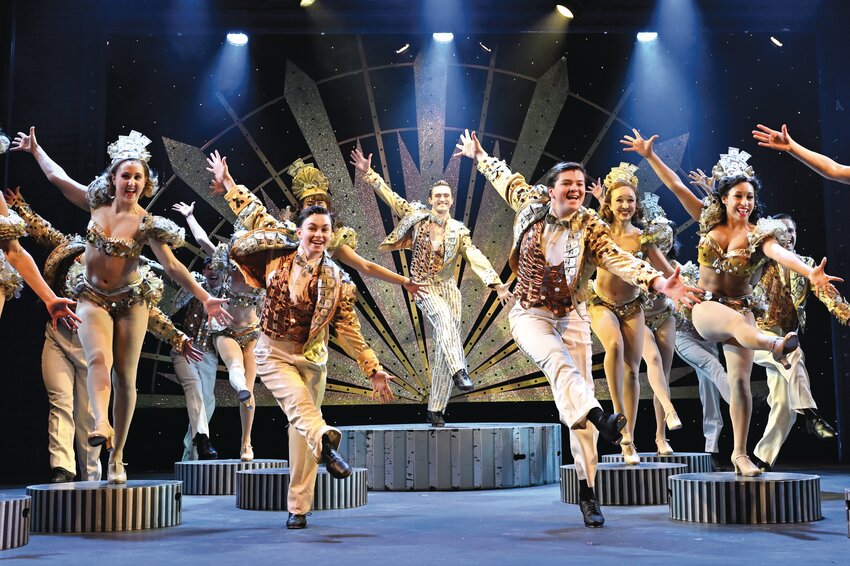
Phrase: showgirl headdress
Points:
(307, 180)
(651, 209)
(133, 146)
(624, 173)
(732, 163)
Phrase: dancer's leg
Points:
(658, 353)
(632, 330)
(576, 338)
(96, 334)
(247, 415)
(739, 364)
(130, 329)
(606, 326)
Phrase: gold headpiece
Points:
(623, 173)
(307, 180)
(130, 147)
(732, 163)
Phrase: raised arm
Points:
(200, 235)
(73, 191)
(643, 147)
(816, 275)
(821, 164)
(178, 272)
(363, 266)
(399, 205)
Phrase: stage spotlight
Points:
(445, 37)
(564, 11)
(775, 41)
(647, 36)
(402, 49)
(484, 47)
(307, 3)
(237, 38)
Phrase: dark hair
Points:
(150, 176)
(727, 183)
(673, 252)
(207, 260)
(440, 183)
(783, 216)
(310, 211)
(552, 174)
(607, 214)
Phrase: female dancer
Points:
(730, 252)
(113, 298)
(234, 342)
(616, 307)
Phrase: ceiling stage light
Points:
(443, 37)
(647, 36)
(402, 49)
(237, 38)
(307, 3)
(484, 47)
(564, 11)
(775, 41)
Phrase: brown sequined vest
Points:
(426, 260)
(539, 284)
(281, 319)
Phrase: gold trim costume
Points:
(442, 305)
(12, 227)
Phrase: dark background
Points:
(84, 74)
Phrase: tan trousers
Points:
(561, 348)
(298, 385)
(70, 420)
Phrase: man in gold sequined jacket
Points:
(437, 241)
(784, 295)
(557, 244)
(64, 366)
(306, 293)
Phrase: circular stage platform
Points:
(96, 506)
(696, 462)
(265, 490)
(14, 521)
(417, 457)
(621, 484)
(726, 498)
(217, 477)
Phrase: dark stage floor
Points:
(514, 526)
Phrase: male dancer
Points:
(306, 292)
(790, 391)
(436, 240)
(557, 244)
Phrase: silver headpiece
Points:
(133, 146)
(651, 209)
(4, 142)
(732, 163)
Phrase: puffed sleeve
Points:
(609, 256)
(252, 214)
(511, 186)
(12, 226)
(343, 236)
(768, 228)
(163, 230)
(97, 193)
(11, 282)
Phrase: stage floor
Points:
(508, 526)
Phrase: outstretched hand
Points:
(25, 142)
(676, 289)
(470, 147)
(215, 310)
(642, 147)
(185, 209)
(60, 309)
(13, 198)
(504, 293)
(767, 137)
(381, 386)
(218, 167)
(819, 278)
(597, 189)
(361, 163)
(702, 181)
(416, 290)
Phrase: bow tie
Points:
(441, 222)
(565, 223)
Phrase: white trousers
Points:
(198, 382)
(64, 370)
(441, 307)
(561, 348)
(789, 393)
(713, 382)
(298, 385)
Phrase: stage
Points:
(505, 526)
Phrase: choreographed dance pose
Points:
(306, 292)
(616, 307)
(557, 244)
(819, 163)
(785, 293)
(63, 362)
(436, 241)
(114, 299)
(234, 342)
(731, 251)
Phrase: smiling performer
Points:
(557, 244)
(114, 299)
(436, 241)
(306, 292)
(731, 253)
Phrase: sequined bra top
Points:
(734, 262)
(252, 298)
(113, 246)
